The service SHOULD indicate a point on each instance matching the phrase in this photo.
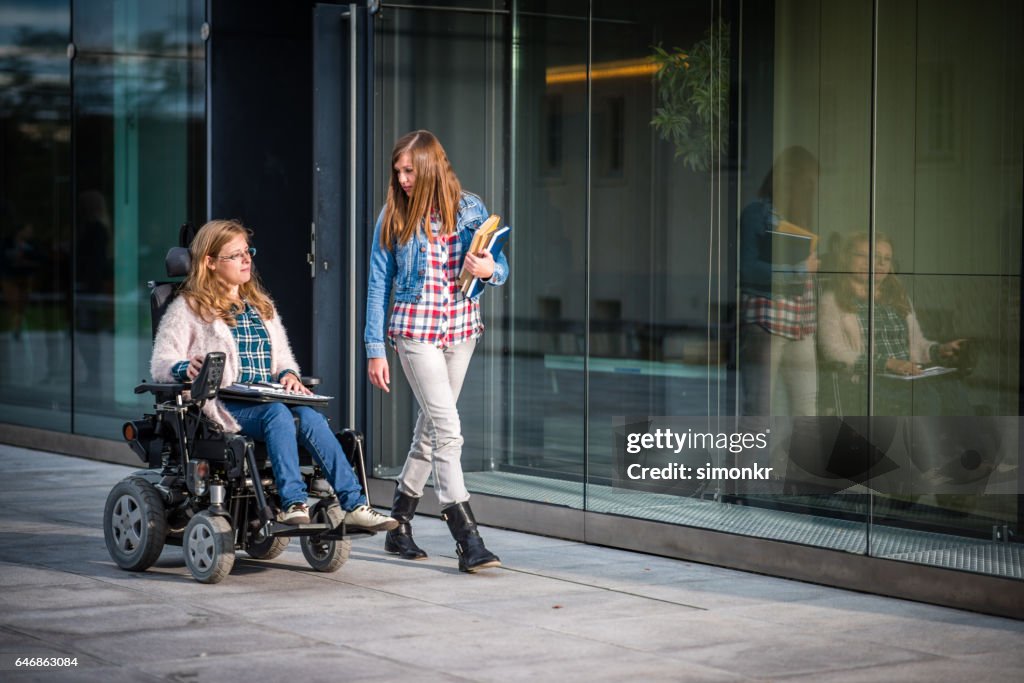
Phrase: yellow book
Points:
(479, 243)
(794, 229)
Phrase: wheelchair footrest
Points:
(281, 529)
(342, 531)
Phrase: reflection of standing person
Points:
(777, 301)
(95, 263)
(94, 285)
(21, 260)
(419, 246)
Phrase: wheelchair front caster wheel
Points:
(209, 547)
(267, 548)
(322, 554)
(134, 524)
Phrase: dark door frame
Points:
(342, 165)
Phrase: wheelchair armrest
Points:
(310, 382)
(157, 388)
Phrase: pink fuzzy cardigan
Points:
(183, 334)
(839, 335)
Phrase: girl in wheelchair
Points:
(223, 307)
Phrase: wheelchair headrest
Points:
(177, 261)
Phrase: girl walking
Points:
(420, 244)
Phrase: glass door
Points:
(446, 69)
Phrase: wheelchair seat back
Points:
(162, 293)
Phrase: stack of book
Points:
(488, 237)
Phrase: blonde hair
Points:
(204, 293)
(437, 188)
(890, 290)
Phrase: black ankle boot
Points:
(399, 541)
(468, 544)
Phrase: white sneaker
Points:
(297, 513)
(365, 517)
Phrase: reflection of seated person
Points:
(900, 347)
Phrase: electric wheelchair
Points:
(209, 491)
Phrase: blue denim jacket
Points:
(404, 268)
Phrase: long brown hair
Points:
(785, 185)
(437, 188)
(204, 293)
(890, 291)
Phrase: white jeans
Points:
(435, 376)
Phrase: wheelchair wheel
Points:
(209, 547)
(268, 548)
(321, 554)
(134, 524)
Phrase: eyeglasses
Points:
(250, 252)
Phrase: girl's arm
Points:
(832, 340)
(378, 293)
(474, 213)
(282, 360)
(172, 346)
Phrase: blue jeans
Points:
(274, 424)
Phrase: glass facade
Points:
(793, 219)
(103, 159)
(737, 218)
(35, 214)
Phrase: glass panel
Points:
(799, 196)
(35, 220)
(548, 288)
(950, 135)
(165, 28)
(705, 253)
(464, 5)
(137, 120)
(444, 71)
(656, 256)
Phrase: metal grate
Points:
(941, 550)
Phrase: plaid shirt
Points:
(253, 350)
(890, 333)
(792, 317)
(441, 314)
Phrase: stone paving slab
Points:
(558, 610)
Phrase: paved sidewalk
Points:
(557, 611)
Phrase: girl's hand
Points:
(950, 348)
(813, 263)
(380, 377)
(292, 383)
(194, 366)
(480, 264)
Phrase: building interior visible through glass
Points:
(801, 215)
(650, 281)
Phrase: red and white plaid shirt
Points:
(792, 317)
(441, 314)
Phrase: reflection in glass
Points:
(457, 94)
(702, 205)
(167, 28)
(35, 220)
(690, 317)
(136, 119)
(548, 287)
(956, 250)
(660, 338)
